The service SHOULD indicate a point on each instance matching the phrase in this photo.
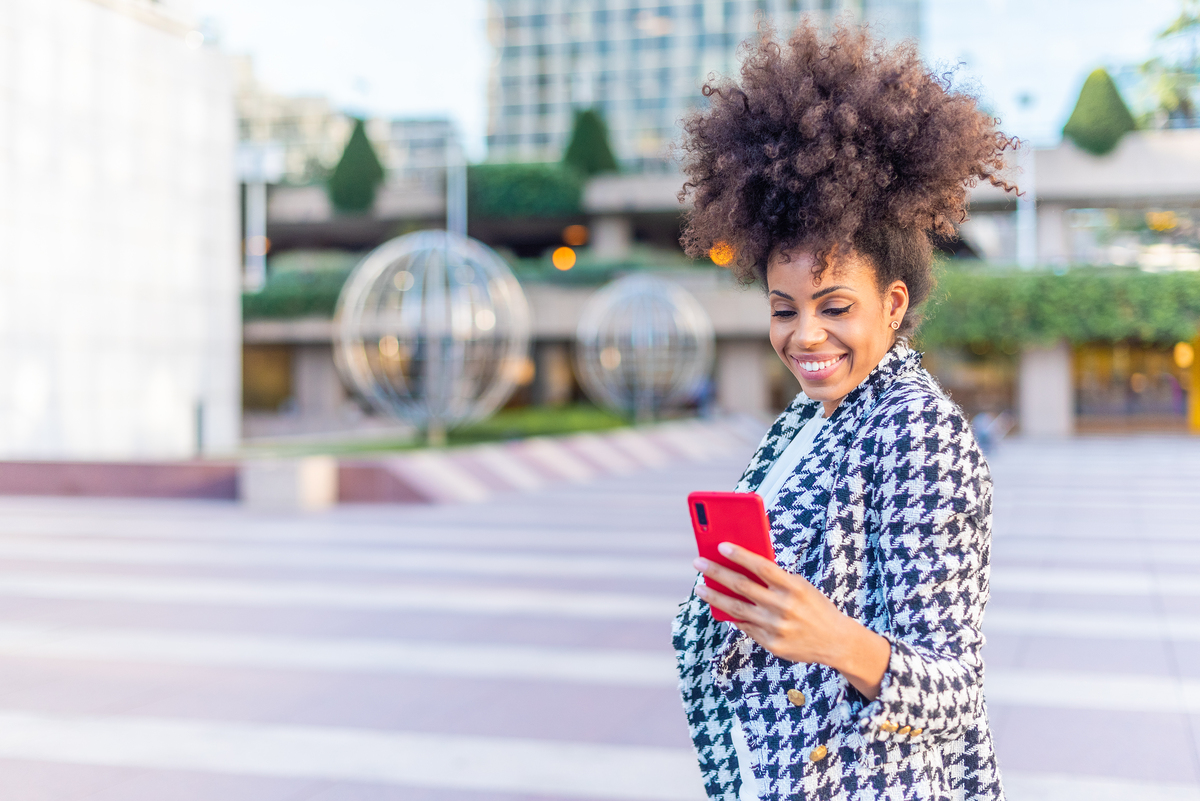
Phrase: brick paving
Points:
(517, 649)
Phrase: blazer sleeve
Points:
(932, 510)
(697, 638)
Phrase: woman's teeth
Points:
(812, 367)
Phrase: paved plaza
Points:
(518, 649)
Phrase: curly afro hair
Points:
(835, 144)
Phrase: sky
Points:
(1025, 58)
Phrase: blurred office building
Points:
(643, 66)
(119, 290)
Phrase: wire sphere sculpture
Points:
(643, 345)
(432, 328)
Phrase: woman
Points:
(855, 673)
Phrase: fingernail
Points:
(702, 591)
(700, 564)
(725, 549)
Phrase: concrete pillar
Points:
(316, 387)
(1046, 403)
(612, 237)
(1053, 240)
(289, 485)
(742, 381)
(553, 379)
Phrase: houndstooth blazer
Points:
(889, 516)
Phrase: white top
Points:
(785, 465)
(783, 468)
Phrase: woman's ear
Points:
(896, 302)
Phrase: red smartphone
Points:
(737, 517)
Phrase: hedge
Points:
(296, 294)
(1099, 304)
(507, 191)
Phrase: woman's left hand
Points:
(792, 619)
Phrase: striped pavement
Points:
(515, 648)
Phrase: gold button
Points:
(796, 697)
(887, 725)
(905, 730)
(915, 732)
(818, 753)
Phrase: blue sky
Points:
(1026, 58)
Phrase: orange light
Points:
(721, 253)
(258, 245)
(563, 259)
(575, 235)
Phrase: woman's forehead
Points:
(795, 270)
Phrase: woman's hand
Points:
(793, 620)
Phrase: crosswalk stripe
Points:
(415, 759)
(1104, 626)
(576, 665)
(434, 599)
(1093, 691)
(390, 560)
(1022, 786)
(1093, 582)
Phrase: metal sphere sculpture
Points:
(643, 345)
(432, 328)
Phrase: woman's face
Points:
(831, 332)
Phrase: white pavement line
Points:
(600, 451)
(556, 458)
(1133, 553)
(1092, 582)
(375, 560)
(327, 654)
(414, 759)
(1095, 691)
(439, 475)
(1097, 625)
(328, 595)
(502, 463)
(1021, 786)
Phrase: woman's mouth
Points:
(818, 369)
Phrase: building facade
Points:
(119, 281)
(642, 65)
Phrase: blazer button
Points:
(915, 732)
(888, 726)
(905, 730)
(818, 753)
(796, 697)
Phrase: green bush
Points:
(357, 175)
(295, 294)
(506, 191)
(1100, 117)
(1097, 304)
(588, 150)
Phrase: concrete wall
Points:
(1046, 394)
(119, 279)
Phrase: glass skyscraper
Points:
(640, 63)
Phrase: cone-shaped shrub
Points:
(588, 150)
(1100, 117)
(356, 177)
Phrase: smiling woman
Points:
(854, 671)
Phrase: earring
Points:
(895, 325)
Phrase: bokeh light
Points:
(563, 258)
(1185, 355)
(575, 235)
(721, 254)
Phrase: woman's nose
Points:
(809, 331)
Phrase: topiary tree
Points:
(1100, 117)
(588, 149)
(357, 175)
(507, 191)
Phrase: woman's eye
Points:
(838, 312)
(783, 314)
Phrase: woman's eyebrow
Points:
(827, 290)
(783, 295)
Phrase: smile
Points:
(818, 369)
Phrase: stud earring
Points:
(895, 325)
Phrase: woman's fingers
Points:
(764, 568)
(739, 610)
(732, 579)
